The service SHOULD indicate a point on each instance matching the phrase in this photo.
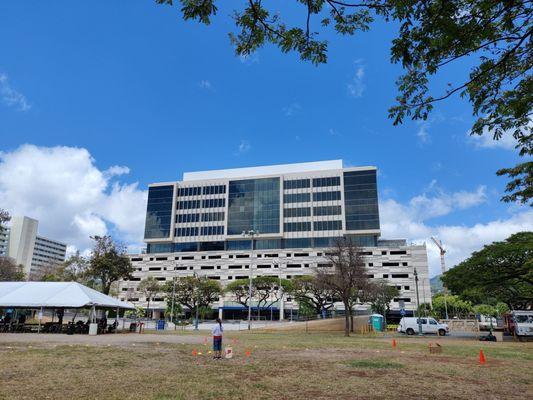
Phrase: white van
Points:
(409, 325)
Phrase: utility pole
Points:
(443, 270)
(418, 305)
(252, 234)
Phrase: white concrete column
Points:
(281, 308)
(220, 307)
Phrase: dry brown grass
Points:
(282, 366)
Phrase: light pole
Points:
(196, 305)
(418, 305)
(252, 234)
(173, 300)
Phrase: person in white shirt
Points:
(217, 339)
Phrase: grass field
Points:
(281, 366)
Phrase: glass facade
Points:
(254, 204)
(159, 212)
(361, 200)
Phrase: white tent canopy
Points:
(55, 295)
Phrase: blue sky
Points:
(130, 84)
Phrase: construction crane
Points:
(443, 269)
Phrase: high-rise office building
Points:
(297, 211)
(28, 249)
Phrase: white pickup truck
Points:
(409, 325)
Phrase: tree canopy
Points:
(500, 272)
(108, 262)
(379, 294)
(492, 38)
(11, 272)
(193, 292)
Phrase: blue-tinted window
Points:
(211, 246)
(212, 230)
(183, 247)
(188, 204)
(211, 203)
(297, 184)
(159, 248)
(326, 196)
(364, 240)
(159, 212)
(325, 242)
(254, 204)
(213, 216)
(297, 226)
(297, 243)
(329, 181)
(217, 189)
(297, 212)
(184, 218)
(268, 244)
(327, 225)
(184, 232)
(297, 198)
(327, 210)
(361, 200)
(239, 245)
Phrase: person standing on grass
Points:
(217, 339)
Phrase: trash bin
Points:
(160, 326)
(93, 329)
(376, 320)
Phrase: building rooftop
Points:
(264, 170)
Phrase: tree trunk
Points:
(346, 320)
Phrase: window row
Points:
(213, 216)
(188, 204)
(326, 196)
(211, 203)
(212, 230)
(297, 226)
(196, 191)
(297, 198)
(329, 181)
(297, 212)
(297, 184)
(327, 225)
(181, 218)
(327, 210)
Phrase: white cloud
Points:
(70, 196)
(249, 59)
(205, 84)
(486, 140)
(412, 221)
(292, 109)
(357, 86)
(423, 134)
(10, 97)
(244, 146)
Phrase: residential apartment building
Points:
(195, 226)
(27, 248)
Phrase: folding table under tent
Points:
(42, 295)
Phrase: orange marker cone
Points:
(194, 352)
(248, 353)
(482, 357)
(393, 343)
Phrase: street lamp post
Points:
(418, 305)
(196, 304)
(252, 234)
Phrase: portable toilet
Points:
(376, 320)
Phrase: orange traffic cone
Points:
(393, 343)
(194, 352)
(482, 357)
(248, 353)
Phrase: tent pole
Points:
(116, 320)
(40, 316)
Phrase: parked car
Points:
(409, 325)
